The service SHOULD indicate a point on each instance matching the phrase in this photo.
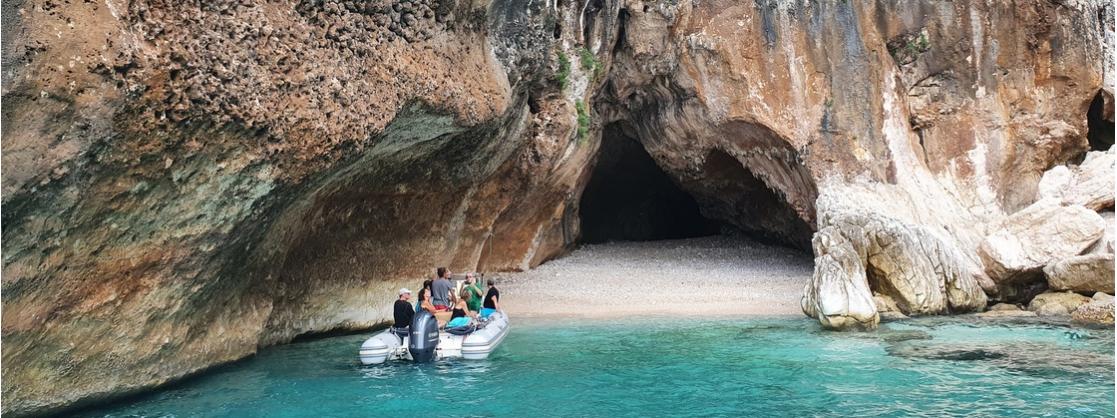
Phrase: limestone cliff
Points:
(184, 182)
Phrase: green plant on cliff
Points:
(589, 61)
(583, 120)
(563, 74)
(907, 47)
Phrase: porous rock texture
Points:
(187, 181)
(1099, 311)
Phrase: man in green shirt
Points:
(474, 302)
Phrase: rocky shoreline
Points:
(1051, 256)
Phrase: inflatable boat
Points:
(424, 342)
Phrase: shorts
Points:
(441, 308)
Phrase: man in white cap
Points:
(403, 312)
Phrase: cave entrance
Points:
(1099, 121)
(629, 198)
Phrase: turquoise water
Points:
(757, 367)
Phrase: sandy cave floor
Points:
(708, 276)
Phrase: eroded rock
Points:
(1089, 184)
(1094, 313)
(1084, 274)
(1057, 303)
(838, 294)
(913, 270)
(1036, 236)
(1104, 245)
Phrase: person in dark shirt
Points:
(492, 300)
(461, 307)
(403, 312)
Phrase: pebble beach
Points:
(707, 276)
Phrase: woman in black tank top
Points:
(458, 313)
(461, 308)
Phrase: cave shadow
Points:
(630, 198)
(1099, 121)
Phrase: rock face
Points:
(1084, 274)
(184, 182)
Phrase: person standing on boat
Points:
(440, 290)
(492, 300)
(403, 313)
(474, 301)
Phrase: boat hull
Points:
(478, 345)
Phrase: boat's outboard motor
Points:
(424, 337)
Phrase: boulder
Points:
(1089, 184)
(1005, 310)
(1096, 312)
(1036, 236)
(912, 270)
(838, 294)
(1104, 245)
(1085, 273)
(1057, 303)
(1005, 307)
(1102, 297)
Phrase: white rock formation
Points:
(1089, 184)
(1040, 234)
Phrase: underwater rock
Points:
(900, 336)
(940, 352)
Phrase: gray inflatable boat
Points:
(424, 342)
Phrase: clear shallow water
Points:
(761, 367)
